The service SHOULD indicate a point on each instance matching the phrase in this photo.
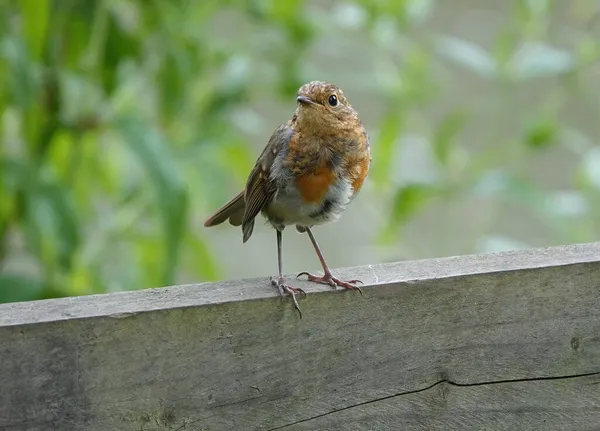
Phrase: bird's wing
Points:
(260, 188)
(232, 210)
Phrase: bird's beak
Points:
(305, 100)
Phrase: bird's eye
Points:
(333, 100)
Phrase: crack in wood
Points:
(439, 382)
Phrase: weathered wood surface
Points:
(494, 342)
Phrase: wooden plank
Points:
(231, 355)
(531, 405)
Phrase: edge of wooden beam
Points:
(124, 304)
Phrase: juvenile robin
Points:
(311, 169)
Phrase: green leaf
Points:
(23, 76)
(416, 85)
(409, 199)
(119, 46)
(13, 178)
(152, 151)
(529, 11)
(200, 258)
(390, 130)
(15, 288)
(92, 58)
(52, 227)
(236, 157)
(35, 14)
(13, 173)
(541, 133)
(81, 98)
(150, 262)
(65, 220)
(406, 202)
(445, 133)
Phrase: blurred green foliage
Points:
(123, 122)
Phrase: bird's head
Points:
(323, 105)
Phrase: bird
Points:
(311, 169)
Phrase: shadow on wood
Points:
(499, 341)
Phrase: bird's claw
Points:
(330, 280)
(284, 288)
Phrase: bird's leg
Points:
(328, 277)
(280, 281)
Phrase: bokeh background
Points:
(125, 123)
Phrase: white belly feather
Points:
(288, 207)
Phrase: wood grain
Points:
(537, 405)
(509, 340)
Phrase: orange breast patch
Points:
(314, 186)
(360, 172)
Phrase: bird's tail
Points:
(232, 210)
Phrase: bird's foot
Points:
(284, 288)
(329, 279)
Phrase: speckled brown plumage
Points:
(310, 170)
